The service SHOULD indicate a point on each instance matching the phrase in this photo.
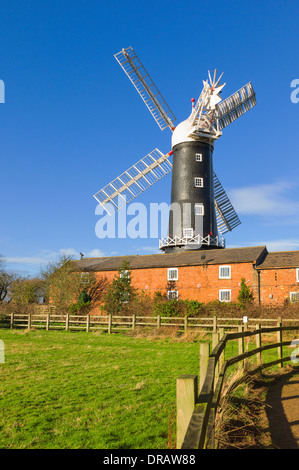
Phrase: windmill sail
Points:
(226, 216)
(130, 63)
(234, 106)
(134, 181)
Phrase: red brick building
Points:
(279, 277)
(208, 275)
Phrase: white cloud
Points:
(284, 244)
(151, 249)
(46, 256)
(32, 260)
(94, 254)
(281, 245)
(265, 200)
(68, 252)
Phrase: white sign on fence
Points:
(2, 358)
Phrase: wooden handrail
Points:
(203, 418)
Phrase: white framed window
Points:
(224, 295)
(294, 296)
(198, 182)
(172, 274)
(188, 232)
(85, 278)
(125, 297)
(124, 273)
(198, 157)
(172, 295)
(199, 209)
(297, 274)
(224, 272)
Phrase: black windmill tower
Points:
(201, 211)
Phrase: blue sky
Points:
(72, 121)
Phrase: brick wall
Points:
(277, 283)
(200, 283)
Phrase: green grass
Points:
(88, 390)
(83, 390)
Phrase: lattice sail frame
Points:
(210, 114)
(226, 216)
(208, 118)
(146, 172)
(159, 109)
(234, 106)
(132, 182)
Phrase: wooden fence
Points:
(196, 413)
(50, 320)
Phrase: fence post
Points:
(222, 355)
(133, 321)
(109, 323)
(258, 343)
(279, 340)
(186, 394)
(11, 320)
(87, 322)
(215, 341)
(186, 323)
(204, 354)
(48, 321)
(241, 344)
(214, 323)
(29, 321)
(159, 321)
(67, 319)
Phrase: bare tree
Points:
(26, 291)
(6, 281)
(64, 283)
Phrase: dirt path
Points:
(280, 419)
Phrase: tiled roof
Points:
(189, 258)
(280, 259)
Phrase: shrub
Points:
(245, 295)
(83, 304)
(120, 294)
(193, 308)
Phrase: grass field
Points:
(78, 390)
(89, 390)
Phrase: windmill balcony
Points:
(198, 240)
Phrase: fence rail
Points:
(111, 323)
(196, 412)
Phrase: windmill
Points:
(200, 208)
